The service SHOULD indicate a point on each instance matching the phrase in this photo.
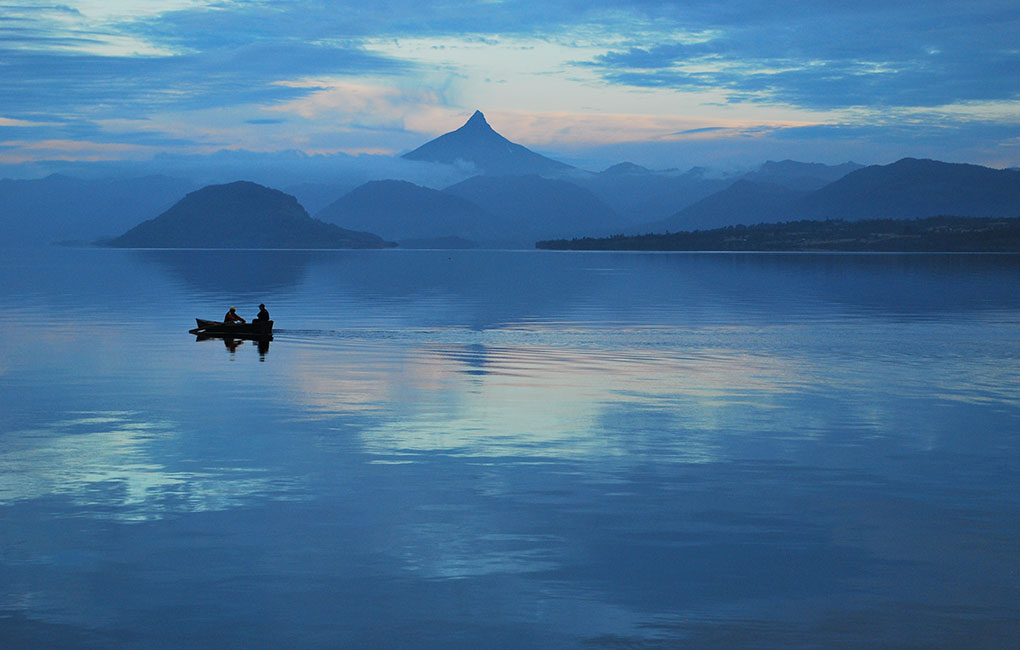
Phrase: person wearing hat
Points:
(232, 318)
(263, 315)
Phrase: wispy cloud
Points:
(578, 129)
(13, 123)
(698, 131)
(20, 151)
(825, 57)
(365, 102)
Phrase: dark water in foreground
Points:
(514, 450)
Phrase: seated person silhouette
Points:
(263, 315)
(232, 318)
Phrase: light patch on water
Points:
(442, 551)
(105, 463)
(516, 397)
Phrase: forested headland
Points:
(934, 234)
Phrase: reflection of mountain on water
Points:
(894, 285)
(467, 288)
(482, 289)
(476, 289)
(234, 272)
(485, 289)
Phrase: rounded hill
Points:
(241, 215)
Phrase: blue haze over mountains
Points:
(473, 187)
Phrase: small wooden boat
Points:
(254, 329)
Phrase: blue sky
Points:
(663, 84)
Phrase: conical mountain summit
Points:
(477, 143)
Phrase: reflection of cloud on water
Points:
(630, 394)
(355, 380)
(542, 402)
(537, 399)
(104, 461)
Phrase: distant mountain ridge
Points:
(533, 207)
(241, 215)
(906, 189)
(767, 202)
(798, 175)
(644, 197)
(913, 188)
(522, 196)
(477, 143)
(640, 195)
(60, 208)
(402, 211)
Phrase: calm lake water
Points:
(476, 449)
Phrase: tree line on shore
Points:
(943, 234)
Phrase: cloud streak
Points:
(892, 55)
